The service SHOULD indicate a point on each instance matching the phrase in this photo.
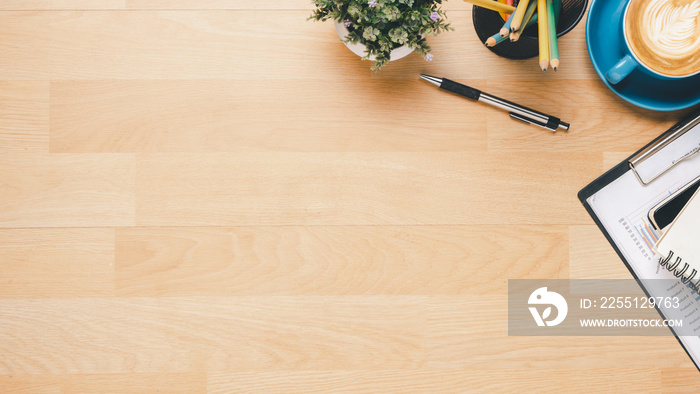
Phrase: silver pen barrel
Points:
(524, 114)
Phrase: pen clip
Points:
(531, 121)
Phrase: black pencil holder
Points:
(488, 22)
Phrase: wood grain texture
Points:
(173, 335)
(21, 5)
(428, 381)
(131, 383)
(245, 116)
(217, 196)
(56, 262)
(137, 45)
(359, 189)
(678, 380)
(468, 332)
(611, 159)
(18, 5)
(321, 260)
(592, 257)
(47, 190)
(219, 4)
(238, 45)
(24, 116)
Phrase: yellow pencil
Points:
(518, 15)
(543, 34)
(529, 18)
(493, 5)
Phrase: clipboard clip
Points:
(674, 146)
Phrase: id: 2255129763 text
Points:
(629, 302)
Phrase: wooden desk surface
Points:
(216, 195)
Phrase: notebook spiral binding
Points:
(666, 262)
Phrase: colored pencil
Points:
(505, 30)
(516, 36)
(493, 5)
(557, 10)
(552, 31)
(543, 34)
(506, 17)
(529, 18)
(503, 15)
(495, 40)
(506, 2)
(518, 14)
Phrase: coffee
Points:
(665, 35)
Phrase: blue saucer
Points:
(604, 49)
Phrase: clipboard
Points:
(620, 199)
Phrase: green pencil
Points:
(552, 27)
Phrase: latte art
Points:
(665, 35)
(673, 29)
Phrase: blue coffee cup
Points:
(605, 45)
(630, 62)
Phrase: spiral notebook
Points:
(679, 245)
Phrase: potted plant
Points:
(384, 30)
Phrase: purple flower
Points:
(429, 57)
(372, 3)
(435, 16)
(347, 23)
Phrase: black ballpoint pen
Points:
(516, 111)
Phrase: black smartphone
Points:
(666, 211)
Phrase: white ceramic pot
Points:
(361, 50)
